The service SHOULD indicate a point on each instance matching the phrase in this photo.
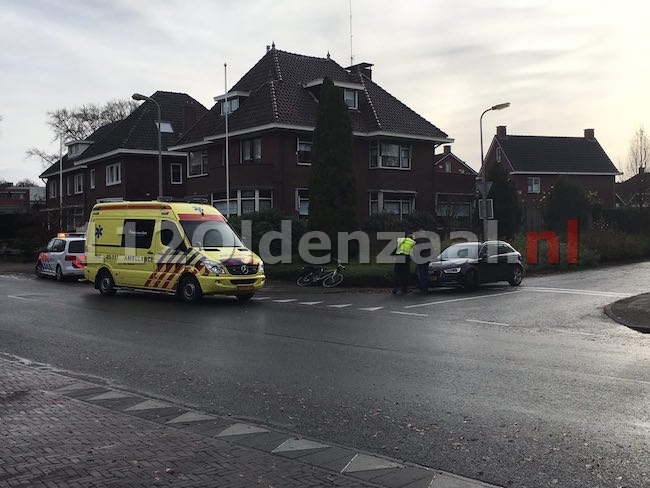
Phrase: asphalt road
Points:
(531, 386)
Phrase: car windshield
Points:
(459, 251)
(211, 234)
(76, 247)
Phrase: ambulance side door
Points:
(138, 241)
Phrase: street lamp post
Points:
(500, 106)
(139, 97)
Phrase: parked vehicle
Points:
(470, 264)
(171, 247)
(311, 275)
(62, 258)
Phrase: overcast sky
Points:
(564, 65)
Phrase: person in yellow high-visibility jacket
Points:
(402, 268)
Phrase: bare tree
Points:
(26, 182)
(78, 123)
(639, 155)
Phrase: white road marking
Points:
(287, 300)
(343, 305)
(22, 298)
(413, 314)
(486, 322)
(261, 298)
(578, 292)
(371, 309)
(460, 299)
(309, 303)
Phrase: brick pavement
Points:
(56, 431)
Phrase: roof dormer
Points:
(350, 91)
(75, 148)
(229, 102)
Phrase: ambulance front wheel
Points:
(189, 289)
(105, 283)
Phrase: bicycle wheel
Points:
(333, 280)
(305, 279)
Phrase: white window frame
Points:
(378, 156)
(113, 174)
(53, 188)
(498, 155)
(237, 197)
(232, 104)
(251, 151)
(304, 143)
(92, 178)
(381, 197)
(300, 199)
(78, 183)
(69, 185)
(533, 184)
(192, 162)
(447, 167)
(179, 168)
(351, 98)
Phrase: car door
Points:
(57, 255)
(488, 262)
(138, 262)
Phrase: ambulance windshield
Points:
(211, 234)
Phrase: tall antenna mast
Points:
(351, 55)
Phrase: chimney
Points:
(589, 134)
(501, 131)
(447, 149)
(364, 69)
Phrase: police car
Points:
(63, 257)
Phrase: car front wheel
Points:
(471, 280)
(189, 290)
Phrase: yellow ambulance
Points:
(187, 249)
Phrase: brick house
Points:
(120, 160)
(271, 115)
(454, 192)
(534, 164)
(635, 191)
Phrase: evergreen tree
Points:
(332, 188)
(566, 201)
(506, 202)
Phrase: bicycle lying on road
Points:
(311, 275)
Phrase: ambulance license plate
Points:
(245, 288)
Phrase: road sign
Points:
(484, 185)
(490, 207)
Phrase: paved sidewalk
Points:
(56, 431)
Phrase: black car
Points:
(469, 264)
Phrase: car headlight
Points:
(260, 268)
(216, 268)
(452, 270)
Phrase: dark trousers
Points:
(422, 273)
(401, 272)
